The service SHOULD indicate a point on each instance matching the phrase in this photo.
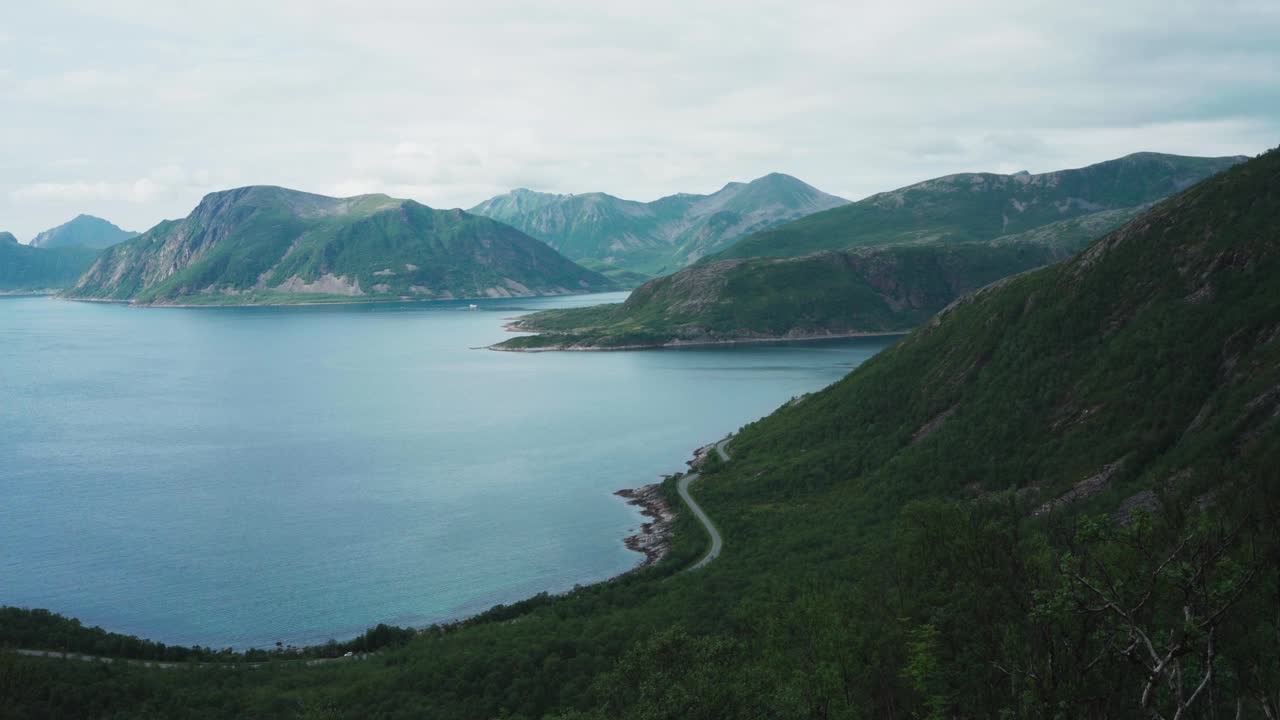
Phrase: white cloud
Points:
(449, 103)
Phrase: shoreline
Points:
(654, 538)
(653, 541)
(130, 303)
(692, 343)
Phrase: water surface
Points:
(241, 476)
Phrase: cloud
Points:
(448, 103)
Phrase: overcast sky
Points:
(133, 110)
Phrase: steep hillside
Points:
(984, 206)
(31, 269)
(83, 230)
(619, 236)
(1057, 499)
(269, 244)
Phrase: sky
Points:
(133, 110)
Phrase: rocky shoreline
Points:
(654, 538)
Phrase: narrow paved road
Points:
(716, 543)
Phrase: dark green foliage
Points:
(978, 522)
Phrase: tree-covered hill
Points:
(1056, 499)
(270, 245)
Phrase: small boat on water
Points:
(472, 306)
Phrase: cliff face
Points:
(269, 244)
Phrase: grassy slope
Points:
(864, 575)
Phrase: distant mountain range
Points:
(632, 239)
(24, 268)
(85, 231)
(263, 244)
(882, 264)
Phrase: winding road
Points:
(683, 487)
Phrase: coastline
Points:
(691, 343)
(654, 538)
(54, 294)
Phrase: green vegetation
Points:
(1057, 500)
(884, 264)
(633, 241)
(85, 230)
(31, 269)
(858, 291)
(258, 244)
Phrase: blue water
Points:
(241, 476)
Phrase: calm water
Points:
(240, 476)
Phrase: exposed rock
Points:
(654, 538)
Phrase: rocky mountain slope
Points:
(265, 244)
(657, 237)
(83, 230)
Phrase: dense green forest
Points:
(1057, 499)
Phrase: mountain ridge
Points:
(84, 230)
(662, 235)
(829, 274)
(268, 244)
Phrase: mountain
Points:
(263, 244)
(1057, 498)
(84, 230)
(33, 269)
(834, 293)
(879, 265)
(984, 206)
(665, 235)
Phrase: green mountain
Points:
(1056, 499)
(269, 245)
(32, 269)
(85, 230)
(984, 206)
(879, 265)
(623, 236)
